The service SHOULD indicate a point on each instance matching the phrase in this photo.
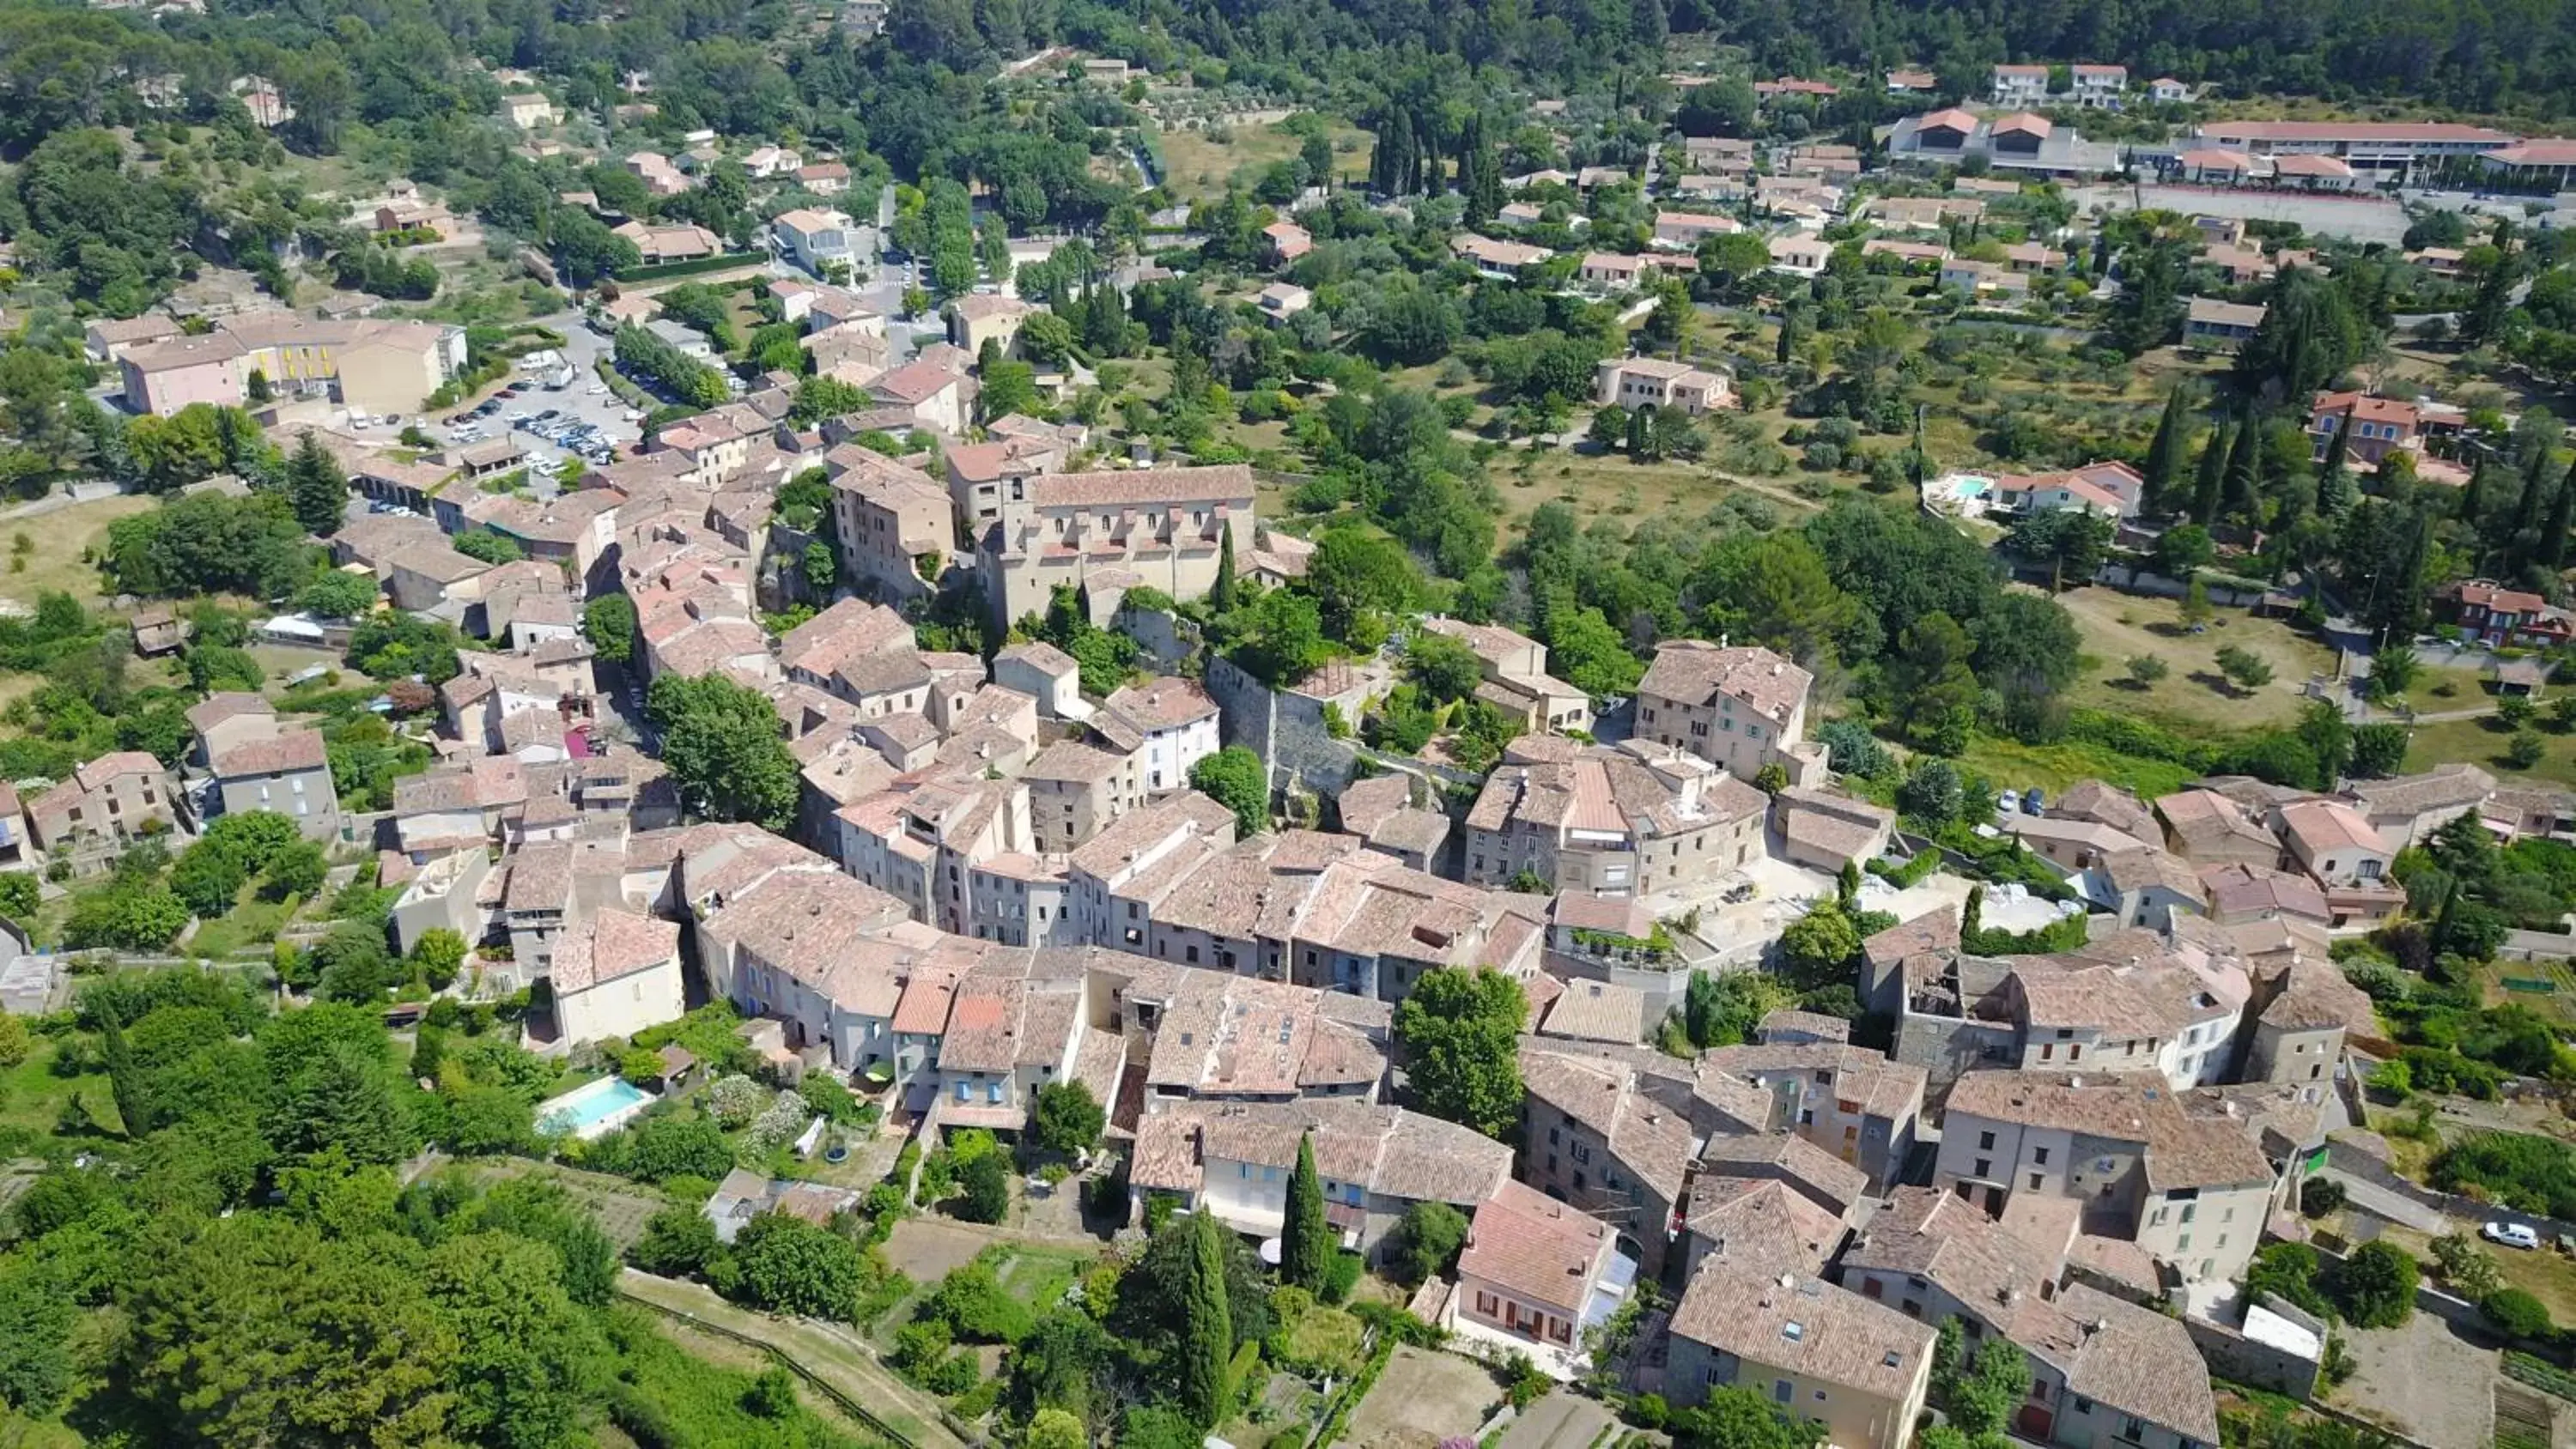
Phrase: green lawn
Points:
(2009, 764)
(2479, 742)
(32, 1097)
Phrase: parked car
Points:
(2511, 1235)
(2033, 801)
(2007, 802)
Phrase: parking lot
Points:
(580, 418)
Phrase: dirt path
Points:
(826, 1354)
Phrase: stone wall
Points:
(2244, 1360)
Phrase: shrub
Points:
(1342, 1274)
(2320, 1196)
(2516, 1314)
(2375, 1286)
(2533, 1174)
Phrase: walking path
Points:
(828, 1356)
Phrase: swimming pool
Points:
(593, 1108)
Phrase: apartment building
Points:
(1163, 527)
(1737, 707)
(2194, 1191)
(1858, 1106)
(285, 771)
(1235, 1160)
(370, 364)
(2018, 85)
(103, 807)
(1633, 819)
(1858, 1369)
(1167, 725)
(895, 535)
(1534, 1269)
(1594, 1138)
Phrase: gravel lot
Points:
(2359, 218)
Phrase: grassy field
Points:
(32, 1097)
(58, 540)
(2117, 626)
(2545, 1275)
(1202, 162)
(2008, 764)
(2480, 742)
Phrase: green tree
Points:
(986, 1181)
(213, 1352)
(2163, 469)
(125, 1079)
(1220, 595)
(1741, 1418)
(2378, 750)
(789, 1265)
(608, 623)
(1427, 1241)
(1207, 1325)
(1983, 1402)
(1068, 1118)
(1459, 1033)
(1235, 778)
(37, 1317)
(438, 955)
(1306, 1241)
(1818, 948)
(316, 488)
(720, 741)
(678, 1240)
(2375, 1286)
(530, 1363)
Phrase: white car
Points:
(2511, 1235)
(599, 389)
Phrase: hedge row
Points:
(660, 270)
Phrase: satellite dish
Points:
(1270, 1252)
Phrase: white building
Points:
(615, 974)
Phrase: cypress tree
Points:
(2535, 487)
(2164, 455)
(124, 1078)
(1207, 1326)
(2552, 551)
(1640, 431)
(1221, 593)
(1306, 1240)
(2336, 452)
(2244, 464)
(2474, 497)
(2213, 466)
(316, 489)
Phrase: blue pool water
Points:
(593, 1107)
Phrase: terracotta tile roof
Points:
(2131, 1360)
(1535, 1248)
(1827, 1179)
(1763, 1225)
(291, 750)
(1226, 483)
(1597, 1011)
(2330, 825)
(2314, 996)
(1806, 1326)
(611, 944)
(214, 709)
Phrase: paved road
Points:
(829, 1352)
